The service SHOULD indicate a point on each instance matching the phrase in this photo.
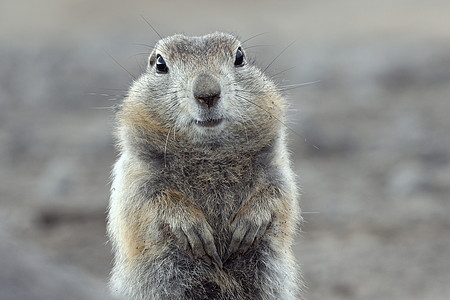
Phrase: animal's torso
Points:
(216, 185)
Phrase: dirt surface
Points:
(372, 151)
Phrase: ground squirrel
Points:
(203, 202)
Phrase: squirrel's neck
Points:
(206, 155)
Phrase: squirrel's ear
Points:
(152, 59)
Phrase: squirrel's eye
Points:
(239, 58)
(161, 66)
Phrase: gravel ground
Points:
(372, 151)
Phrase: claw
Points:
(246, 235)
(198, 242)
(210, 247)
(206, 259)
(236, 240)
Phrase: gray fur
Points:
(229, 235)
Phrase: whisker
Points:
(241, 81)
(103, 95)
(263, 109)
(144, 45)
(151, 26)
(282, 51)
(137, 54)
(281, 122)
(165, 148)
(300, 84)
(99, 107)
(119, 64)
(296, 86)
(109, 89)
(243, 124)
(286, 70)
(251, 38)
(254, 46)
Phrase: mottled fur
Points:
(182, 193)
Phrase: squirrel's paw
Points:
(197, 240)
(247, 233)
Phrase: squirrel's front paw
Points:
(248, 231)
(197, 240)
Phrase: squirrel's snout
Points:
(206, 90)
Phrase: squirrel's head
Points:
(201, 92)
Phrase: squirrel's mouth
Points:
(209, 122)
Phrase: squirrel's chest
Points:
(217, 188)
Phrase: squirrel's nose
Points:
(206, 90)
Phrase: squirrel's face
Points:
(205, 89)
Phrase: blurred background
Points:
(372, 154)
